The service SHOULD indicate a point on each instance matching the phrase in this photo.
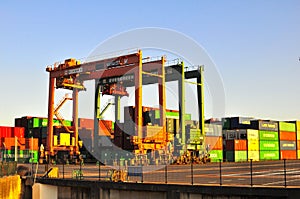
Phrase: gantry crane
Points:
(112, 76)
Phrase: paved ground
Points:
(268, 173)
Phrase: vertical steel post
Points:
(99, 170)
(138, 98)
(251, 173)
(192, 170)
(162, 97)
(181, 93)
(49, 147)
(166, 173)
(220, 168)
(284, 171)
(96, 115)
(200, 95)
(75, 119)
(117, 108)
(63, 169)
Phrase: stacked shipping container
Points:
(287, 136)
(12, 137)
(213, 141)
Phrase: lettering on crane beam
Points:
(74, 71)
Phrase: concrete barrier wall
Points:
(68, 189)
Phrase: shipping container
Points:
(298, 154)
(236, 156)
(236, 145)
(268, 135)
(298, 125)
(64, 139)
(269, 145)
(284, 135)
(254, 155)
(286, 126)
(18, 132)
(298, 135)
(253, 145)
(287, 145)
(226, 123)
(269, 155)
(216, 155)
(213, 130)
(86, 123)
(288, 155)
(237, 123)
(105, 127)
(264, 125)
(213, 143)
(252, 134)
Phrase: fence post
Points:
(166, 173)
(99, 169)
(220, 166)
(80, 172)
(284, 171)
(63, 169)
(192, 171)
(251, 173)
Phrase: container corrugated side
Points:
(269, 155)
(287, 126)
(288, 155)
(288, 145)
(268, 135)
(216, 155)
(269, 145)
(253, 145)
(285, 135)
(254, 155)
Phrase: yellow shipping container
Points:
(298, 135)
(254, 155)
(253, 145)
(64, 139)
(297, 125)
(252, 134)
(298, 154)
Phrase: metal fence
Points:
(8, 168)
(282, 173)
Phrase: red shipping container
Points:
(289, 155)
(6, 132)
(287, 135)
(18, 132)
(236, 145)
(86, 123)
(214, 143)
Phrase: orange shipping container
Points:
(105, 126)
(287, 135)
(289, 155)
(236, 145)
(214, 143)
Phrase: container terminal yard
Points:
(151, 145)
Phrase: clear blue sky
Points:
(255, 45)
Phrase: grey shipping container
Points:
(287, 145)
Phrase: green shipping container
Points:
(269, 145)
(269, 155)
(216, 155)
(268, 135)
(172, 115)
(285, 126)
(236, 156)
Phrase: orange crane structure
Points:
(112, 76)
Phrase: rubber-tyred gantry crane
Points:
(112, 76)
